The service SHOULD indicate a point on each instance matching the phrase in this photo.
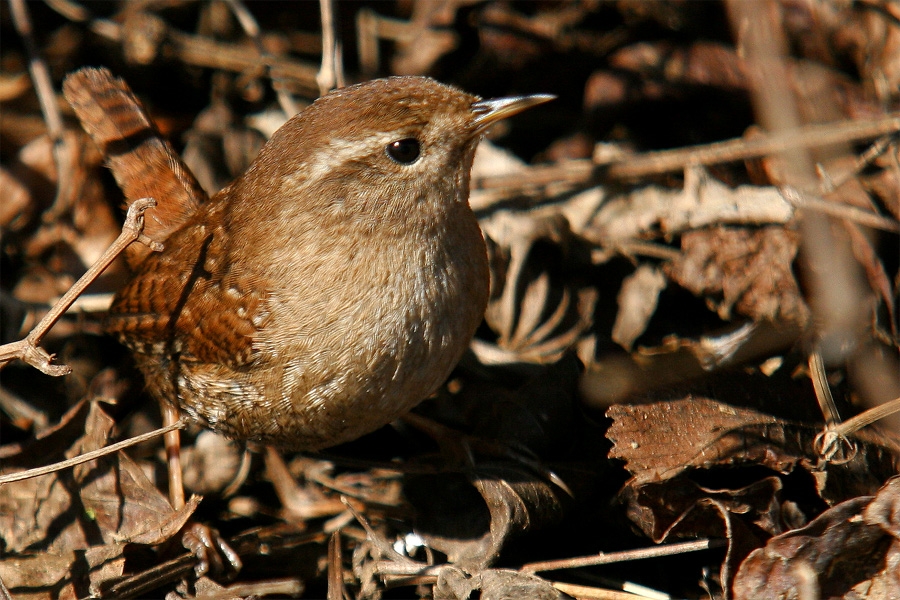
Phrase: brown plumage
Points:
(142, 162)
(335, 284)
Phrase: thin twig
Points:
(254, 542)
(862, 161)
(868, 417)
(43, 87)
(807, 201)
(74, 11)
(89, 456)
(17, 408)
(70, 10)
(808, 136)
(626, 555)
(637, 248)
(288, 586)
(583, 592)
(251, 28)
(391, 570)
(201, 51)
(833, 443)
(822, 389)
(335, 572)
(29, 349)
(173, 456)
(367, 23)
(380, 543)
(582, 172)
(331, 73)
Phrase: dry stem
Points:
(88, 456)
(28, 349)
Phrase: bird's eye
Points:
(404, 151)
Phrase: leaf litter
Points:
(642, 376)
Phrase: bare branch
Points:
(88, 456)
(28, 349)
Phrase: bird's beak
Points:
(488, 112)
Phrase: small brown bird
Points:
(336, 283)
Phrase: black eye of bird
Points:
(404, 151)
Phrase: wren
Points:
(336, 283)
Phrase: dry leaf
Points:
(663, 440)
(749, 272)
(494, 584)
(64, 576)
(703, 202)
(538, 309)
(850, 551)
(637, 303)
(471, 518)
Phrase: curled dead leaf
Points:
(852, 550)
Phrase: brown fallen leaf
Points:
(701, 468)
(683, 509)
(80, 519)
(69, 243)
(32, 506)
(743, 271)
(62, 576)
(494, 584)
(660, 441)
(114, 490)
(852, 550)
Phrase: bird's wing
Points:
(184, 302)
